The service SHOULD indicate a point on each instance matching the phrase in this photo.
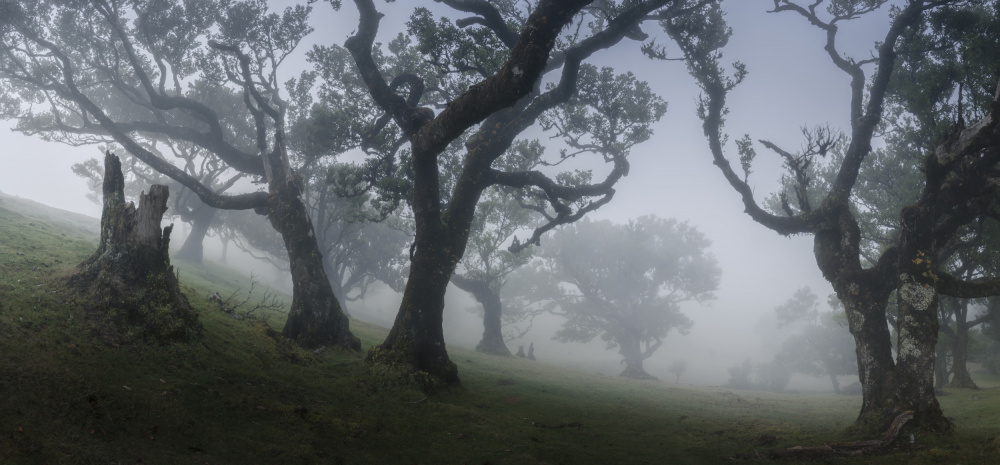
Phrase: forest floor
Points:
(242, 395)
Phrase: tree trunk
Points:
(960, 352)
(416, 340)
(193, 248)
(225, 250)
(941, 366)
(917, 301)
(492, 341)
(128, 283)
(632, 352)
(865, 295)
(316, 317)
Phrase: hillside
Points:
(243, 395)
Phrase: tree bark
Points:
(315, 317)
(960, 352)
(492, 341)
(128, 283)
(193, 248)
(416, 340)
(865, 295)
(917, 301)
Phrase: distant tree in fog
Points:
(822, 347)
(677, 368)
(625, 283)
(484, 269)
(802, 306)
(359, 247)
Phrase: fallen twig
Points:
(574, 424)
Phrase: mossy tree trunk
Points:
(316, 317)
(917, 302)
(129, 284)
(416, 340)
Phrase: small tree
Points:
(625, 283)
(678, 368)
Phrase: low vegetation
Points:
(243, 394)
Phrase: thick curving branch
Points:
(487, 15)
(161, 101)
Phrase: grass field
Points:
(241, 395)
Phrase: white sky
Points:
(791, 83)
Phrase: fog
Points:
(791, 84)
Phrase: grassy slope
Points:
(239, 395)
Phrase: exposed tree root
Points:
(845, 448)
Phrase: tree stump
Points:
(128, 283)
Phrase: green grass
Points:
(240, 395)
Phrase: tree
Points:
(823, 346)
(83, 68)
(955, 182)
(358, 247)
(625, 283)
(483, 73)
(677, 368)
(486, 264)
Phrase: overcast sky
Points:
(791, 83)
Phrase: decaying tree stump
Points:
(128, 284)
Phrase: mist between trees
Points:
(469, 148)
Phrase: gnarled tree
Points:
(958, 175)
(488, 68)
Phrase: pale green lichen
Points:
(917, 295)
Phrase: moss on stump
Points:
(128, 284)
